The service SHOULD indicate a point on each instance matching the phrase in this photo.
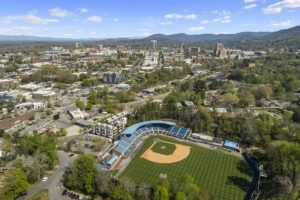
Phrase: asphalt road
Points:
(53, 184)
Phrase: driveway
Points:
(53, 184)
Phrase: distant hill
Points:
(245, 40)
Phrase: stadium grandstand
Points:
(133, 135)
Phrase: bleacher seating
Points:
(128, 144)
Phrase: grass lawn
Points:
(224, 176)
(40, 195)
(163, 148)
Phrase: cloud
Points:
(192, 29)
(225, 33)
(68, 34)
(30, 18)
(5, 21)
(20, 30)
(185, 10)
(226, 21)
(93, 33)
(83, 10)
(146, 34)
(116, 19)
(94, 19)
(192, 16)
(250, 6)
(144, 30)
(58, 12)
(165, 23)
(45, 29)
(178, 16)
(204, 22)
(277, 7)
(79, 31)
(247, 1)
(216, 20)
(173, 15)
(286, 23)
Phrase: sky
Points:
(141, 18)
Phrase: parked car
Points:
(64, 192)
(45, 179)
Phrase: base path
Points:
(180, 153)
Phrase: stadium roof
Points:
(112, 160)
(131, 129)
(231, 144)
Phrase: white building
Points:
(112, 125)
(22, 107)
(105, 130)
(78, 114)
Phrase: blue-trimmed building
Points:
(133, 135)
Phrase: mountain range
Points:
(278, 39)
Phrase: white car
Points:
(45, 179)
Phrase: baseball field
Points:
(224, 176)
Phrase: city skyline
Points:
(100, 19)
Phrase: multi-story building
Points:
(5, 97)
(23, 107)
(111, 126)
(105, 130)
(44, 95)
(113, 78)
(154, 45)
(6, 84)
(30, 87)
(194, 51)
(78, 114)
(220, 51)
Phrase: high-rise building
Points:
(193, 51)
(113, 78)
(77, 45)
(220, 51)
(154, 45)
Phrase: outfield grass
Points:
(224, 176)
(40, 195)
(163, 148)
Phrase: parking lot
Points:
(72, 195)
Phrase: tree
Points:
(180, 196)
(296, 115)
(35, 166)
(15, 184)
(83, 173)
(228, 99)
(93, 97)
(246, 98)
(10, 106)
(79, 104)
(23, 99)
(31, 118)
(2, 132)
(89, 106)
